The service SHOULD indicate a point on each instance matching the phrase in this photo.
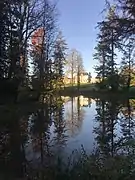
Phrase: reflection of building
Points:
(65, 98)
(84, 77)
(84, 101)
(72, 116)
(74, 113)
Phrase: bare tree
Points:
(80, 69)
(74, 65)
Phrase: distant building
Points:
(94, 80)
(67, 80)
(84, 77)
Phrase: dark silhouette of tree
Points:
(42, 57)
(126, 23)
(127, 64)
(14, 137)
(89, 77)
(3, 39)
(101, 69)
(107, 44)
(28, 44)
(59, 60)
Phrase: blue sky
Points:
(78, 19)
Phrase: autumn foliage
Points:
(37, 40)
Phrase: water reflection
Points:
(74, 115)
(115, 137)
(40, 134)
(13, 137)
(60, 136)
(106, 131)
(127, 122)
(34, 137)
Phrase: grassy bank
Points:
(83, 87)
(87, 90)
(91, 90)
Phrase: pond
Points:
(33, 137)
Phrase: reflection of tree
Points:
(74, 115)
(44, 140)
(114, 150)
(13, 138)
(89, 102)
(40, 132)
(101, 130)
(128, 126)
(107, 112)
(60, 129)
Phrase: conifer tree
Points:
(59, 59)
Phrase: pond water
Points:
(35, 135)
(72, 127)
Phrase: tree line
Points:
(33, 51)
(116, 40)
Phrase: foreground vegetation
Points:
(88, 167)
(94, 167)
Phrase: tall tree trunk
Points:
(129, 70)
(112, 63)
(72, 71)
(78, 78)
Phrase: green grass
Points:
(91, 90)
(82, 87)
